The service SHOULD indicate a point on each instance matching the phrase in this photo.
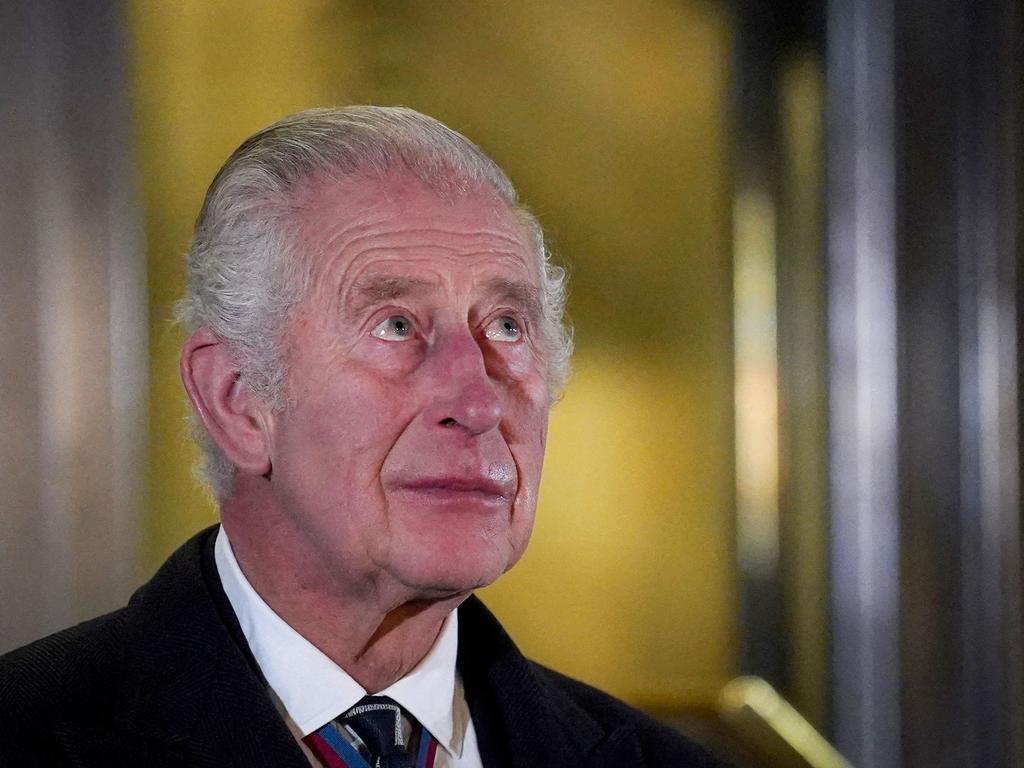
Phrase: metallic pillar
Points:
(924, 160)
(72, 319)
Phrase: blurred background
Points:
(791, 446)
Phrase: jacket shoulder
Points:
(660, 744)
(67, 676)
(73, 671)
(75, 674)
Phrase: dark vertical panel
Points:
(959, 499)
(953, 152)
(989, 143)
(926, 65)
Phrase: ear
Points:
(236, 419)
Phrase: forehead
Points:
(360, 230)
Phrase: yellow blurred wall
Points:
(610, 116)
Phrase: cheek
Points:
(516, 362)
(348, 412)
(526, 432)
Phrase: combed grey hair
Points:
(244, 270)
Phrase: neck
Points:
(377, 632)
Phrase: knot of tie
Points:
(377, 720)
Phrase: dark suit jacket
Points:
(169, 681)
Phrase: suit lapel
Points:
(190, 693)
(522, 720)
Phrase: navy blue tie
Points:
(377, 720)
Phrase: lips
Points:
(455, 486)
(490, 483)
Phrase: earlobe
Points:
(236, 419)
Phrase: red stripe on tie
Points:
(431, 752)
(323, 751)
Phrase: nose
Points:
(464, 394)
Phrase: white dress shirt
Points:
(310, 690)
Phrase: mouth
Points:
(454, 488)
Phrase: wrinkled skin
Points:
(410, 453)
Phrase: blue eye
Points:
(504, 328)
(395, 328)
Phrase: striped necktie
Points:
(373, 734)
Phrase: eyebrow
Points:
(383, 288)
(523, 296)
(376, 289)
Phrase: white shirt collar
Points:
(313, 690)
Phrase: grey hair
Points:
(244, 272)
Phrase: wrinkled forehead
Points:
(360, 224)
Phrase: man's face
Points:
(410, 452)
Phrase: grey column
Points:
(923, 144)
(863, 410)
(72, 319)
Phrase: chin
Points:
(451, 574)
(455, 553)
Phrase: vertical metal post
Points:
(989, 204)
(72, 306)
(863, 404)
(924, 162)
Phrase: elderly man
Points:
(376, 339)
